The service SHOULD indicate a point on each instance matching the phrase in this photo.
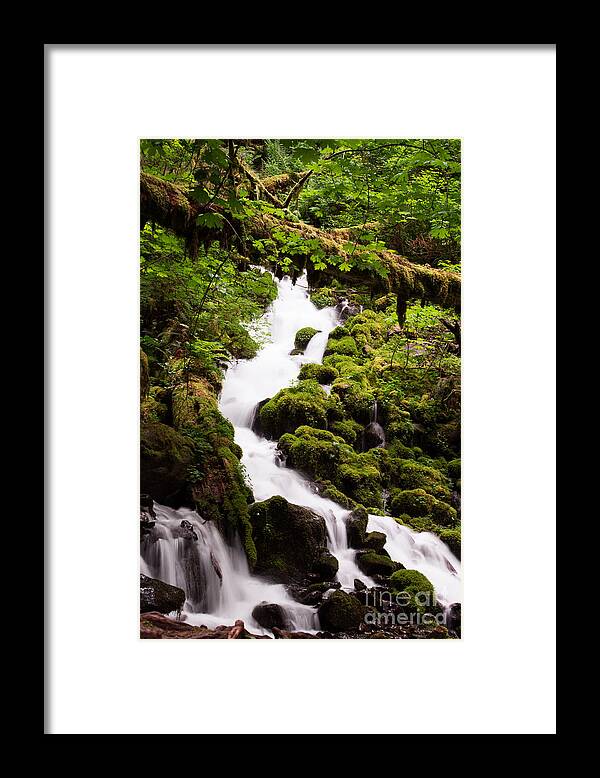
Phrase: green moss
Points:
(413, 475)
(303, 404)
(304, 336)
(372, 563)
(348, 429)
(418, 503)
(420, 588)
(340, 612)
(290, 541)
(323, 374)
(345, 346)
(454, 469)
(451, 538)
(323, 298)
(165, 458)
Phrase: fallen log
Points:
(168, 205)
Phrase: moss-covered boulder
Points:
(300, 405)
(417, 502)
(454, 469)
(159, 596)
(419, 588)
(451, 538)
(314, 451)
(290, 541)
(340, 612)
(375, 541)
(269, 615)
(322, 374)
(407, 474)
(345, 345)
(165, 460)
(372, 563)
(348, 429)
(323, 455)
(304, 336)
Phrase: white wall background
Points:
(500, 677)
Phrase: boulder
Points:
(373, 564)
(340, 612)
(290, 541)
(356, 527)
(159, 596)
(165, 458)
(375, 541)
(269, 615)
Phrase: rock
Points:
(340, 612)
(303, 338)
(290, 541)
(326, 566)
(453, 618)
(269, 615)
(346, 310)
(375, 541)
(256, 422)
(359, 586)
(356, 527)
(159, 596)
(373, 436)
(372, 564)
(165, 458)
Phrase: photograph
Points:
(300, 385)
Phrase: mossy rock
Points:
(304, 336)
(323, 298)
(375, 541)
(165, 458)
(340, 612)
(451, 538)
(322, 374)
(454, 469)
(372, 563)
(413, 475)
(328, 490)
(418, 586)
(345, 345)
(326, 566)
(348, 429)
(417, 502)
(305, 404)
(290, 541)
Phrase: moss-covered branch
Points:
(168, 205)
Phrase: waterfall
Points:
(174, 555)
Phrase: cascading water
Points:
(215, 575)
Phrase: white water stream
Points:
(193, 565)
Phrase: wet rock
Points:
(356, 527)
(359, 586)
(291, 541)
(165, 458)
(326, 566)
(375, 564)
(373, 436)
(340, 611)
(453, 616)
(159, 596)
(346, 310)
(269, 615)
(256, 425)
(375, 541)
